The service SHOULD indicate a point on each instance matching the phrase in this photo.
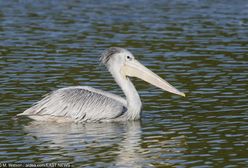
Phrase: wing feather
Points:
(78, 104)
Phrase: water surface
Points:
(198, 46)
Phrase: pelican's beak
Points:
(135, 69)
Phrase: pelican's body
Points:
(83, 103)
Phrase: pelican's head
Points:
(120, 60)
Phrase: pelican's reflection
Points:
(118, 140)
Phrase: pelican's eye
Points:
(129, 58)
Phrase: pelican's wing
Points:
(77, 104)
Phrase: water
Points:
(198, 46)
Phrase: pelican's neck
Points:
(133, 100)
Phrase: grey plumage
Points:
(108, 53)
(78, 104)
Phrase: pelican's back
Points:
(77, 104)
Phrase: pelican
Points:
(87, 104)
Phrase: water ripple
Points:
(198, 46)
